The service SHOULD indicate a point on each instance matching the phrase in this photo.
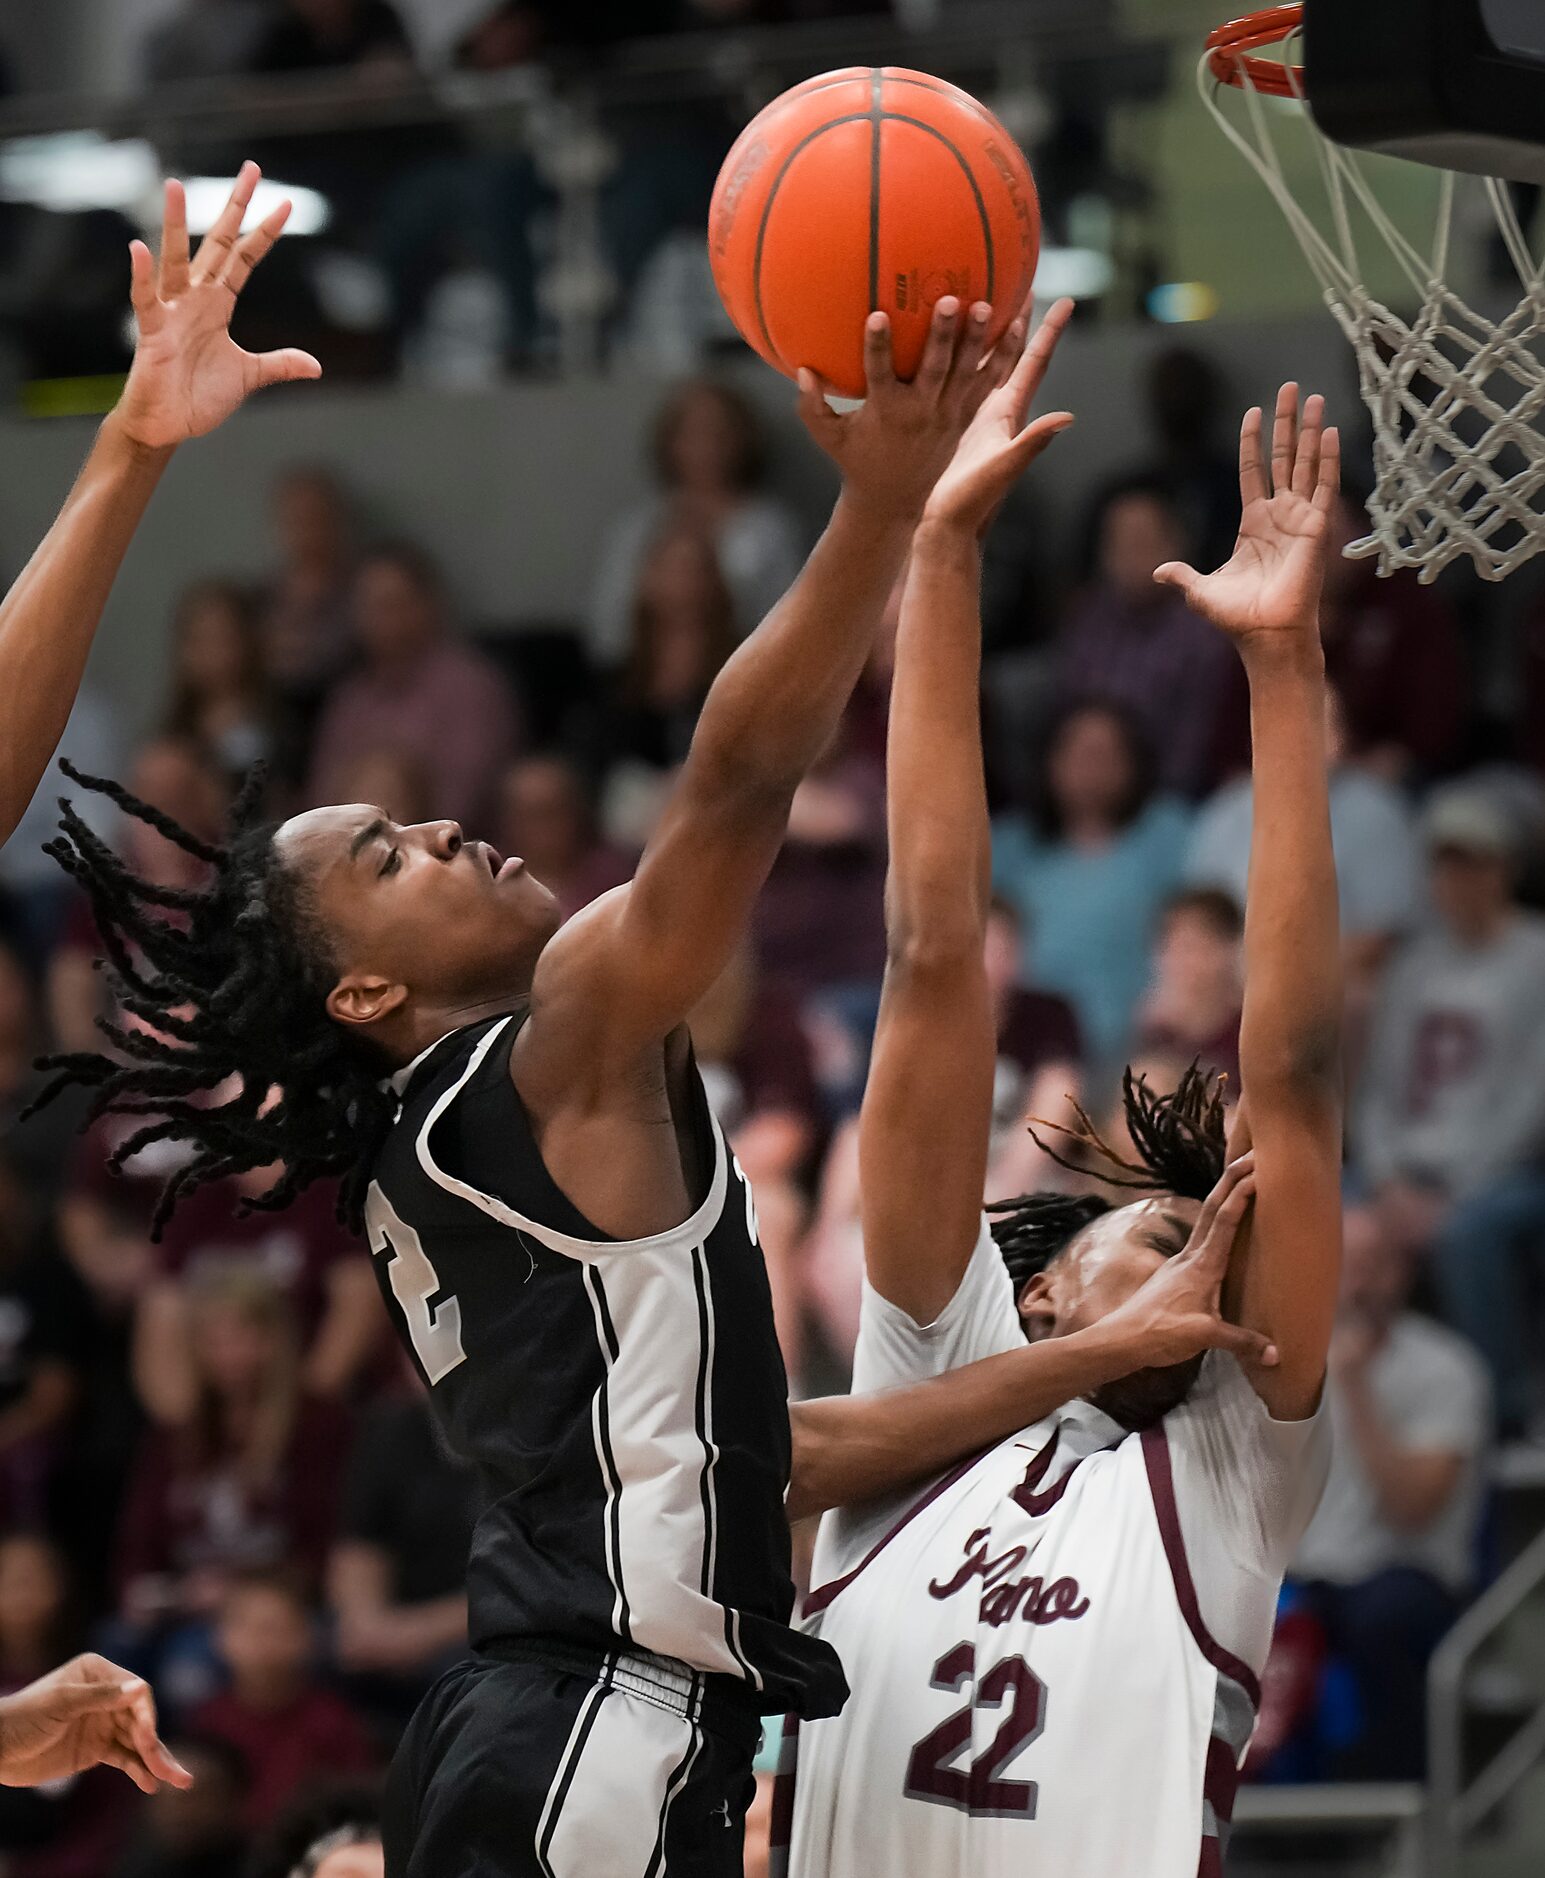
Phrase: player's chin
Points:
(1144, 1399)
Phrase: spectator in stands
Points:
(1377, 855)
(197, 1833)
(292, 1732)
(1391, 1552)
(1130, 642)
(318, 1268)
(205, 39)
(1194, 1004)
(421, 691)
(397, 1576)
(336, 1833)
(72, 1828)
(1184, 396)
(760, 1075)
(1040, 1071)
(320, 35)
(1393, 653)
(1451, 1118)
(220, 699)
(308, 624)
(392, 780)
(43, 1344)
(710, 466)
(1090, 867)
(682, 632)
(549, 818)
(250, 1479)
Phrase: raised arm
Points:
(927, 1113)
(1288, 1261)
(625, 972)
(848, 1449)
(187, 377)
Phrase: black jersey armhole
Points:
(485, 1139)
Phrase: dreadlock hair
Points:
(232, 976)
(1179, 1142)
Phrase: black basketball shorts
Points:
(547, 1762)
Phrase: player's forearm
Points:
(849, 1449)
(50, 616)
(940, 849)
(777, 703)
(1290, 1036)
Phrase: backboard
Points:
(1456, 83)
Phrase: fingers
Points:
(215, 249)
(285, 367)
(140, 1719)
(1249, 1346)
(1026, 379)
(815, 413)
(1252, 469)
(251, 249)
(174, 241)
(939, 349)
(1179, 575)
(1036, 437)
(964, 377)
(1306, 465)
(879, 364)
(1284, 439)
(1229, 1180)
(1329, 484)
(1212, 1248)
(997, 368)
(142, 288)
(128, 1762)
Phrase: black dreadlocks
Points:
(232, 976)
(1180, 1144)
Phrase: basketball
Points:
(865, 189)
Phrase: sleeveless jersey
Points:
(623, 1402)
(1037, 1690)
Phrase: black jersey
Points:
(624, 1401)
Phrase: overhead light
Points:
(1178, 302)
(1073, 274)
(73, 171)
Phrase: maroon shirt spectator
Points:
(420, 691)
(1130, 642)
(292, 1733)
(250, 1478)
(549, 819)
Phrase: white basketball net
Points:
(1456, 398)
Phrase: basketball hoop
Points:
(1457, 399)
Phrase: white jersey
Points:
(1054, 1652)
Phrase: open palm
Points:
(188, 374)
(1000, 443)
(1272, 581)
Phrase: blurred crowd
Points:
(213, 1464)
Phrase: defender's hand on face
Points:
(189, 375)
(892, 450)
(1174, 1316)
(1001, 443)
(1271, 585)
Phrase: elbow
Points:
(936, 933)
(805, 1497)
(1305, 1069)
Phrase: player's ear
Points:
(1037, 1308)
(361, 999)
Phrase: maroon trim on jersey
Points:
(1210, 1864)
(780, 1831)
(819, 1599)
(1220, 1781)
(1161, 1483)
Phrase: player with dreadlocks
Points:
(1055, 1651)
(565, 1242)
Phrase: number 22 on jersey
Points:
(435, 1330)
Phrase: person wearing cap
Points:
(1451, 1112)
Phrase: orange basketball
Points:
(863, 189)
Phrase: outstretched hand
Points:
(89, 1713)
(894, 447)
(188, 374)
(1001, 443)
(1176, 1315)
(1272, 582)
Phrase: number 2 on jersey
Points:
(980, 1789)
(436, 1333)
